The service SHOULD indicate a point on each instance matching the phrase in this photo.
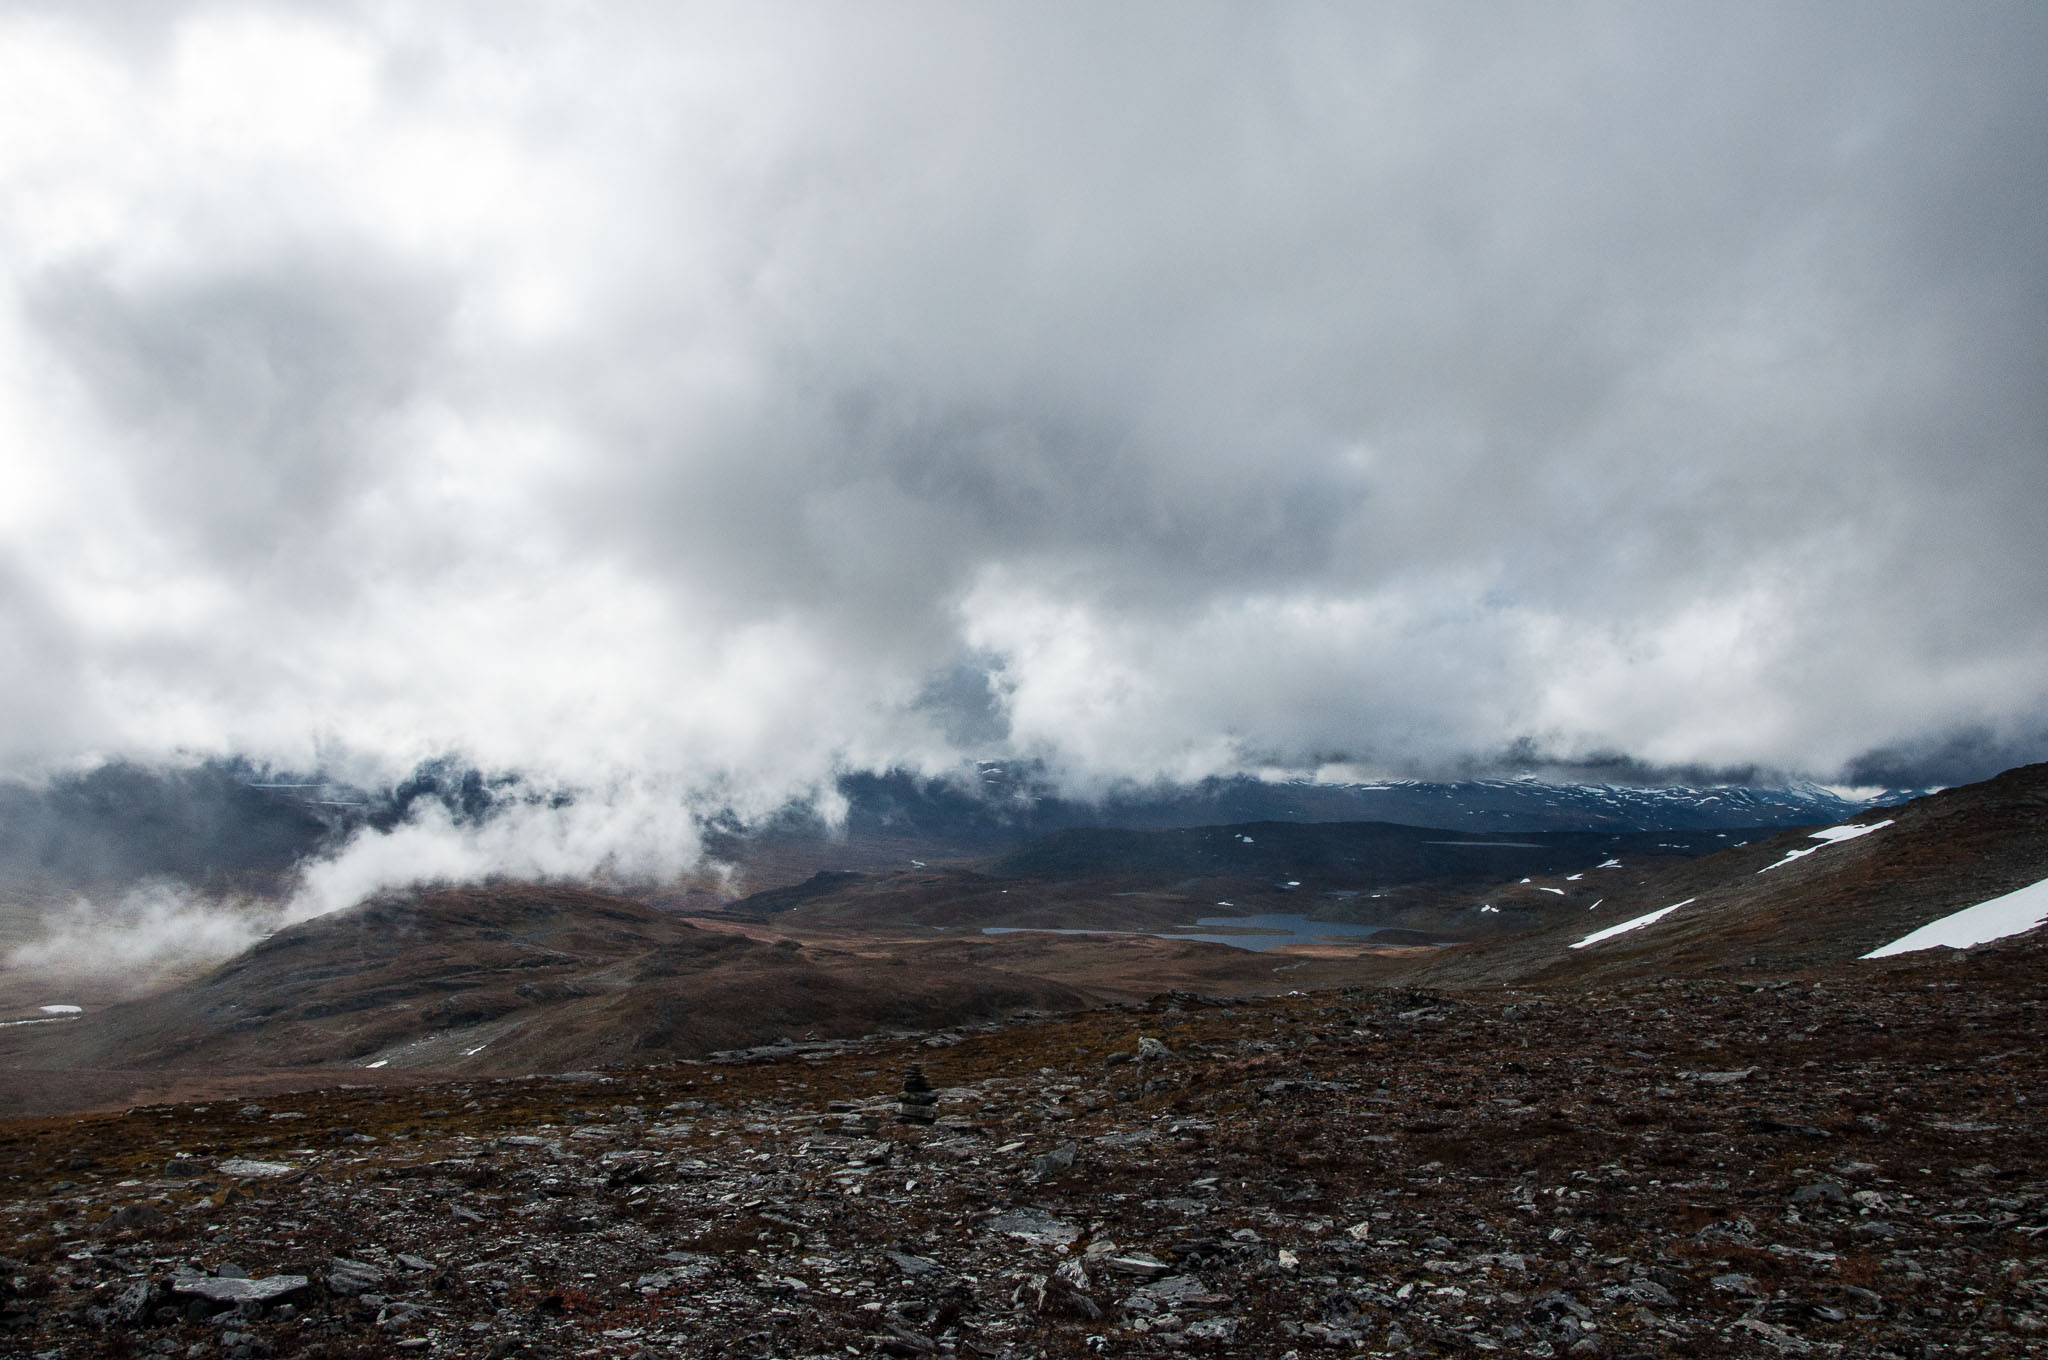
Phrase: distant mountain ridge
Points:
(1021, 805)
(231, 825)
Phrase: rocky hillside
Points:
(1842, 1162)
(1788, 901)
(522, 978)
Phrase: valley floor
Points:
(1850, 1162)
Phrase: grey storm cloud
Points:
(709, 398)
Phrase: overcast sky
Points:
(716, 396)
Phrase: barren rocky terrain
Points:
(840, 1119)
(513, 978)
(1846, 1161)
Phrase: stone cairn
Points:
(918, 1102)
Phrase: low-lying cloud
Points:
(633, 835)
(628, 835)
(151, 930)
(682, 404)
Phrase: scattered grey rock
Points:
(135, 1303)
(135, 1216)
(1557, 1304)
(1220, 1209)
(243, 1169)
(1059, 1159)
(345, 1276)
(689, 1265)
(1820, 1192)
(1174, 1291)
(1064, 1293)
(1035, 1226)
(901, 1342)
(238, 1289)
(1650, 1292)
(1777, 1337)
(1139, 1264)
(1722, 1078)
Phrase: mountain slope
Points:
(525, 978)
(1795, 900)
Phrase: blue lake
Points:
(1274, 931)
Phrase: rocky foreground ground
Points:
(1849, 1162)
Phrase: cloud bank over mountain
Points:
(686, 402)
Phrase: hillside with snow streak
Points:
(1957, 868)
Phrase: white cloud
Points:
(660, 396)
(246, 83)
(150, 930)
(625, 834)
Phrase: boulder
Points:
(231, 1290)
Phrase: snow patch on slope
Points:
(1637, 924)
(1829, 836)
(1987, 921)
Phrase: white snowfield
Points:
(1637, 924)
(1987, 921)
(1830, 836)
